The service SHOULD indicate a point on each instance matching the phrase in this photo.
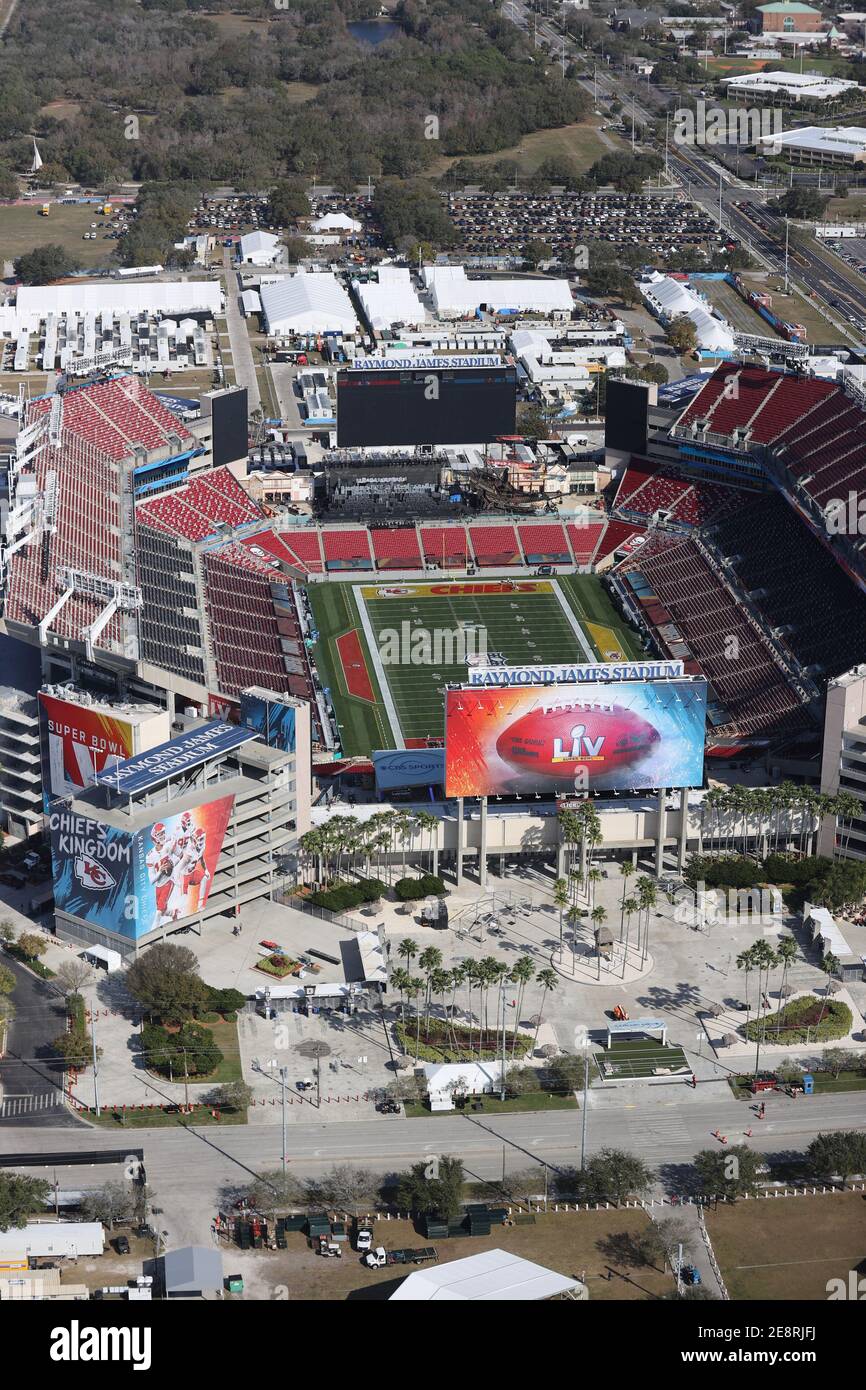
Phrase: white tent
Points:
(672, 298)
(260, 248)
(392, 300)
(307, 303)
(493, 1276)
(36, 163)
(177, 297)
(455, 295)
(447, 1079)
(336, 222)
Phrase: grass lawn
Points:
(581, 143)
(586, 1245)
(788, 1248)
(225, 1035)
(637, 1057)
(794, 308)
(490, 1105)
(21, 229)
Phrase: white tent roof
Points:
(308, 303)
(454, 293)
(175, 298)
(63, 1238)
(673, 298)
(494, 1276)
(336, 222)
(251, 301)
(392, 300)
(256, 242)
(476, 1075)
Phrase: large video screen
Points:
(613, 736)
(230, 427)
(626, 416)
(464, 405)
(131, 884)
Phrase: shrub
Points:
(798, 1022)
(344, 896)
(75, 1046)
(441, 1043)
(733, 872)
(224, 1001)
(428, 885)
(779, 868)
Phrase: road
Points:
(32, 1090)
(242, 353)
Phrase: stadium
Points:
(132, 554)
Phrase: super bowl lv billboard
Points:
(132, 883)
(78, 743)
(616, 735)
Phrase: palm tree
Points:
(521, 973)
(488, 972)
(560, 898)
(626, 870)
(631, 906)
(786, 954)
(414, 988)
(409, 949)
(458, 977)
(647, 894)
(573, 917)
(425, 821)
(830, 966)
(765, 959)
(473, 977)
(400, 979)
(599, 916)
(593, 876)
(746, 963)
(429, 961)
(440, 983)
(547, 980)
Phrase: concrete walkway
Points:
(694, 1251)
(242, 353)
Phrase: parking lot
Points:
(494, 224)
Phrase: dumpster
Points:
(234, 1283)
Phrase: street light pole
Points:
(283, 1074)
(95, 1064)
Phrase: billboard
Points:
(272, 720)
(626, 415)
(230, 426)
(627, 736)
(130, 883)
(174, 758)
(468, 405)
(78, 743)
(409, 767)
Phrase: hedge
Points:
(349, 895)
(437, 1043)
(798, 1022)
(429, 885)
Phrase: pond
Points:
(372, 32)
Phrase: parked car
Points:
(364, 1239)
(121, 1245)
(388, 1107)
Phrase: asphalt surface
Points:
(31, 1078)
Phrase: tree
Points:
(547, 980)
(7, 932)
(287, 203)
(115, 1201)
(343, 1186)
(839, 1059)
(166, 983)
(801, 202)
(44, 264)
(233, 1095)
(536, 251)
(682, 335)
(72, 974)
(433, 1186)
(20, 1198)
(296, 248)
(842, 1152)
(31, 945)
(273, 1189)
(730, 1172)
(612, 1175)
(560, 900)
(8, 181)
(659, 1243)
(7, 980)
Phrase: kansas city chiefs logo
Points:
(91, 874)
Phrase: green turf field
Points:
(527, 625)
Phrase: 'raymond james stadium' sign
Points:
(416, 363)
(574, 675)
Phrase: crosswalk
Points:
(30, 1104)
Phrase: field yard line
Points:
(387, 697)
(572, 621)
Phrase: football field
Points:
(387, 651)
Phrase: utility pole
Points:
(185, 1082)
(502, 1077)
(283, 1074)
(720, 200)
(95, 1063)
(787, 228)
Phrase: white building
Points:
(260, 248)
(838, 146)
(158, 299)
(791, 88)
(391, 300)
(670, 299)
(63, 1239)
(454, 295)
(307, 303)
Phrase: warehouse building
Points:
(307, 303)
(838, 147)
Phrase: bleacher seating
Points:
(544, 543)
(347, 550)
(584, 539)
(397, 548)
(616, 535)
(445, 546)
(305, 549)
(495, 546)
(243, 627)
(632, 480)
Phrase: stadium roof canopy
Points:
(494, 1276)
(455, 294)
(307, 303)
(163, 298)
(392, 300)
